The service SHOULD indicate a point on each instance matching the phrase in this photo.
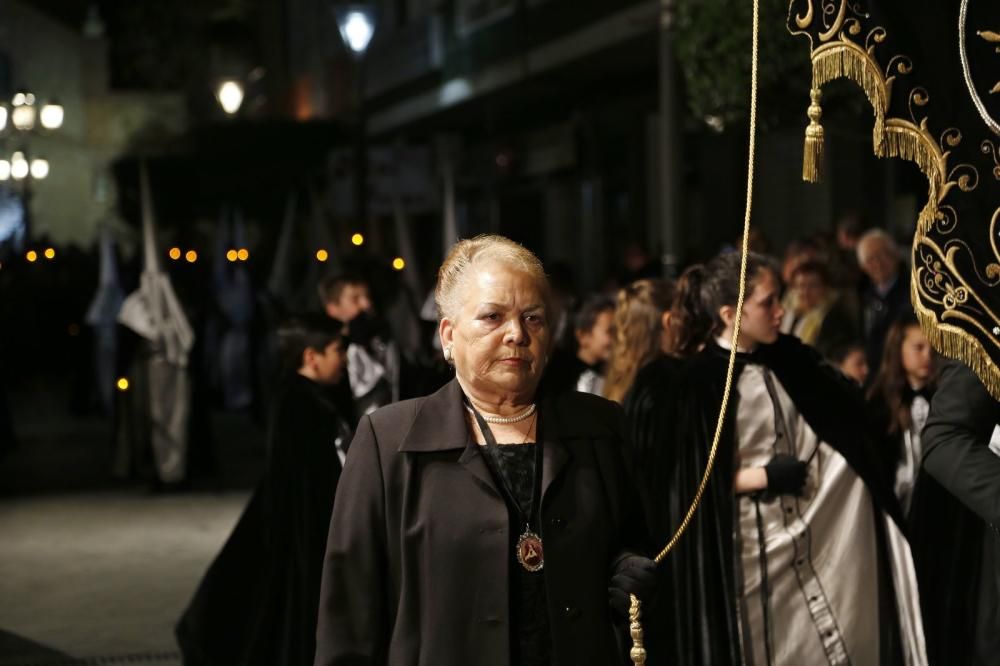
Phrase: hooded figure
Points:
(162, 384)
(102, 316)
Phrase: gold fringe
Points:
(958, 344)
(909, 144)
(844, 59)
(812, 155)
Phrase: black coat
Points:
(257, 603)
(965, 550)
(695, 620)
(416, 570)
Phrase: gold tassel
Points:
(812, 157)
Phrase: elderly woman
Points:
(487, 523)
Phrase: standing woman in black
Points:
(489, 523)
(787, 559)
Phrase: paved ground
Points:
(104, 574)
(96, 570)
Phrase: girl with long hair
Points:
(900, 398)
(787, 560)
(642, 332)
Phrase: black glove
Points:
(786, 475)
(631, 574)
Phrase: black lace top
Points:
(531, 638)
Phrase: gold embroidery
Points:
(936, 280)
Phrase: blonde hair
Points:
(638, 332)
(467, 253)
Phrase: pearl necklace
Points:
(507, 420)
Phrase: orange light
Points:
(322, 255)
(243, 254)
(191, 256)
(231, 255)
(50, 253)
(358, 239)
(122, 384)
(398, 263)
(175, 253)
(31, 256)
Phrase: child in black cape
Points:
(257, 603)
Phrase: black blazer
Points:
(956, 441)
(417, 558)
(966, 567)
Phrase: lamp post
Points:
(18, 121)
(356, 22)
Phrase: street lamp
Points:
(357, 27)
(23, 114)
(356, 22)
(230, 95)
(51, 115)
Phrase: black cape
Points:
(672, 410)
(257, 603)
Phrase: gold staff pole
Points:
(638, 652)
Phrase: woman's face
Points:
(917, 356)
(500, 338)
(762, 312)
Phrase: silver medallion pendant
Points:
(530, 553)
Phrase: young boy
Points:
(258, 601)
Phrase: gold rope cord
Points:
(638, 652)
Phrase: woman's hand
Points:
(783, 475)
(631, 574)
(749, 480)
(786, 475)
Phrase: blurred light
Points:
(122, 384)
(31, 256)
(358, 239)
(74, 330)
(322, 255)
(230, 96)
(357, 27)
(231, 255)
(51, 116)
(175, 253)
(18, 99)
(39, 169)
(29, 98)
(4, 170)
(19, 167)
(398, 263)
(191, 256)
(50, 253)
(243, 254)
(23, 115)
(3, 118)
(717, 123)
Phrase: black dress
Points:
(257, 603)
(531, 640)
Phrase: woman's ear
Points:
(665, 320)
(727, 313)
(446, 332)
